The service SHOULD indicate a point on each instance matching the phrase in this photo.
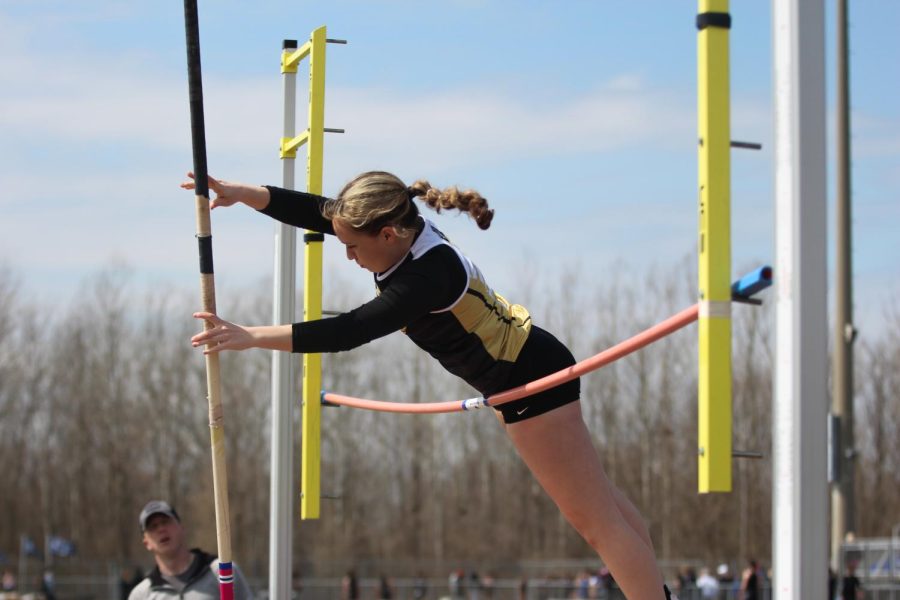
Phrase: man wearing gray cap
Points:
(180, 572)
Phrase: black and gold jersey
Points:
(473, 332)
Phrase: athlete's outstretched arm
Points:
(231, 336)
(230, 193)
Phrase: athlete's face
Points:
(373, 252)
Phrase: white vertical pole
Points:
(800, 494)
(281, 509)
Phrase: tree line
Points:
(103, 406)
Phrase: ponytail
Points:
(467, 201)
(377, 199)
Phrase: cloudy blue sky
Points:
(576, 119)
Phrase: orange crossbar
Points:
(632, 344)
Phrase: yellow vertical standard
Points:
(310, 488)
(313, 137)
(714, 379)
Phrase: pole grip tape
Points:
(195, 96)
(226, 572)
(474, 403)
(713, 19)
(206, 254)
(226, 581)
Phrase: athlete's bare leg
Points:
(628, 510)
(557, 448)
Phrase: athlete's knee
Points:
(601, 527)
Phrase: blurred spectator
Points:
(707, 584)
(48, 585)
(686, 579)
(726, 581)
(420, 587)
(473, 586)
(851, 586)
(455, 583)
(605, 581)
(582, 583)
(8, 583)
(349, 586)
(750, 580)
(487, 585)
(385, 589)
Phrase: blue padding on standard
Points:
(753, 282)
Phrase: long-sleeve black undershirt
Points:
(416, 288)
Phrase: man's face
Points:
(164, 535)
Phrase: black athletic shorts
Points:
(541, 355)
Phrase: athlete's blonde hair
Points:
(376, 199)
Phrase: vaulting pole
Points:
(208, 299)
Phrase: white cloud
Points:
(454, 127)
(124, 99)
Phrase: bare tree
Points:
(878, 448)
(103, 406)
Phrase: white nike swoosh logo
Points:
(519, 412)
